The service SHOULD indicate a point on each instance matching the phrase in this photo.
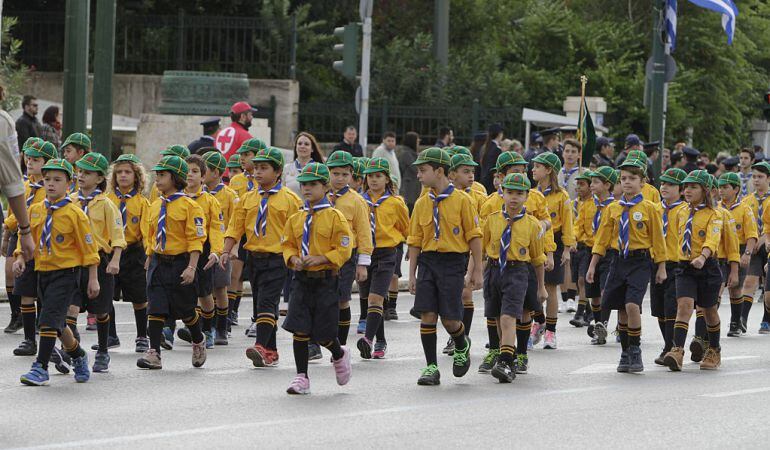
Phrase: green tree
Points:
(12, 72)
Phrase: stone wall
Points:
(134, 95)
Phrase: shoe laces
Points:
(491, 355)
(461, 356)
(521, 359)
(430, 370)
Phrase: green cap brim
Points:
(266, 159)
(465, 163)
(32, 153)
(694, 180)
(231, 165)
(725, 182)
(89, 167)
(304, 178)
(339, 164)
(666, 179)
(515, 187)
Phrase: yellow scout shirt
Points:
(671, 231)
(728, 243)
(106, 223)
(560, 210)
(280, 206)
(535, 204)
(356, 212)
(213, 219)
(706, 231)
(185, 227)
(645, 230)
(240, 184)
(745, 222)
(392, 221)
(458, 223)
(329, 236)
(525, 245)
(227, 199)
(137, 207)
(32, 195)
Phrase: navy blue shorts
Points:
(399, 258)
(627, 281)
(700, 284)
(379, 273)
(205, 277)
(602, 270)
(243, 256)
(166, 296)
(758, 261)
(131, 281)
(347, 277)
(506, 290)
(103, 302)
(13, 240)
(663, 295)
(268, 273)
(56, 290)
(314, 306)
(25, 284)
(440, 282)
(556, 276)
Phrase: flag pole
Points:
(581, 119)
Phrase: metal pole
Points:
(104, 66)
(658, 80)
(293, 52)
(441, 31)
(366, 53)
(75, 66)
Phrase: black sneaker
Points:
(577, 321)
(521, 365)
(635, 364)
(590, 330)
(600, 334)
(61, 361)
(414, 313)
(450, 347)
(221, 338)
(743, 326)
(365, 347)
(391, 314)
(112, 342)
(587, 318)
(14, 325)
(660, 360)
(314, 352)
(141, 344)
(489, 361)
(430, 376)
(624, 362)
(462, 359)
(697, 349)
(735, 330)
(26, 348)
(503, 372)
(184, 334)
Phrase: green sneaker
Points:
(521, 364)
(430, 376)
(489, 360)
(462, 359)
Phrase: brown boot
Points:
(712, 360)
(674, 358)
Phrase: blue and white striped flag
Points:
(671, 23)
(728, 10)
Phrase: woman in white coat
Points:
(306, 150)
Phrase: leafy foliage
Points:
(12, 73)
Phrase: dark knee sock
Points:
(766, 315)
(254, 306)
(155, 329)
(335, 348)
(522, 337)
(428, 338)
(596, 310)
(700, 325)
(494, 338)
(194, 325)
(47, 342)
(459, 337)
(736, 306)
(392, 299)
(550, 324)
(506, 353)
(72, 323)
(373, 320)
(363, 302)
(538, 317)
(343, 326)
(113, 326)
(28, 313)
(381, 333)
(623, 333)
(207, 320)
(271, 342)
(714, 331)
(605, 315)
(238, 296)
(746, 307)
(635, 336)
(301, 352)
(571, 294)
(662, 326)
(680, 333)
(581, 308)
(103, 332)
(14, 300)
(265, 324)
(140, 316)
(565, 296)
(170, 323)
(221, 321)
(468, 318)
(669, 336)
(76, 351)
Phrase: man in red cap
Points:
(229, 139)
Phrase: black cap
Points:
(568, 129)
(549, 132)
(652, 144)
(495, 129)
(632, 140)
(601, 141)
(210, 121)
(730, 162)
(691, 152)
(480, 137)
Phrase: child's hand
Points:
(590, 274)
(361, 274)
(188, 276)
(477, 279)
(661, 275)
(224, 259)
(745, 259)
(4, 246)
(296, 262)
(565, 256)
(147, 263)
(732, 279)
(314, 260)
(213, 259)
(542, 294)
(93, 288)
(699, 262)
(113, 268)
(412, 285)
(549, 262)
(19, 266)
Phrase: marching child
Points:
(545, 172)
(172, 150)
(175, 236)
(125, 188)
(107, 233)
(746, 231)
(260, 216)
(443, 229)
(357, 182)
(663, 295)
(65, 247)
(511, 243)
(316, 244)
(759, 201)
(234, 165)
(699, 278)
(633, 227)
(389, 223)
(227, 198)
(356, 212)
(73, 149)
(584, 237)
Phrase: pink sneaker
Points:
(300, 385)
(342, 367)
(199, 353)
(550, 340)
(258, 356)
(537, 332)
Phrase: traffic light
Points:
(766, 106)
(348, 66)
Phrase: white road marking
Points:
(575, 390)
(735, 393)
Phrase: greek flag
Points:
(728, 10)
(671, 23)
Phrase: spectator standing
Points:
(349, 143)
(229, 139)
(27, 125)
(306, 150)
(446, 137)
(51, 127)
(489, 155)
(410, 185)
(387, 150)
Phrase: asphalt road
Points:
(572, 397)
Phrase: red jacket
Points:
(229, 139)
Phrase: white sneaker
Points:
(562, 306)
(550, 340)
(252, 330)
(571, 306)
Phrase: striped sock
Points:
(596, 310)
(506, 353)
(700, 325)
(28, 313)
(468, 318)
(103, 332)
(459, 337)
(680, 333)
(373, 320)
(538, 317)
(72, 322)
(140, 315)
(714, 332)
(155, 329)
(550, 324)
(635, 336)
(194, 325)
(392, 299)
(746, 307)
(428, 338)
(301, 353)
(343, 325)
(221, 321)
(736, 305)
(207, 320)
(494, 338)
(522, 336)
(47, 342)
(623, 333)
(265, 324)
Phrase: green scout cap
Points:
(637, 154)
(172, 163)
(269, 155)
(215, 160)
(548, 159)
(458, 149)
(606, 173)
(461, 159)
(731, 178)
(764, 167)
(176, 150)
(235, 161)
(79, 139)
(634, 162)
(508, 159)
(41, 149)
(128, 157)
(713, 182)
(517, 182)
(252, 145)
(32, 142)
(58, 164)
(93, 162)
(585, 176)
(699, 177)
(675, 176)
(432, 155)
(340, 158)
(358, 168)
(314, 171)
(377, 165)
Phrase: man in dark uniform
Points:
(730, 164)
(210, 129)
(632, 143)
(652, 150)
(535, 146)
(605, 152)
(691, 155)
